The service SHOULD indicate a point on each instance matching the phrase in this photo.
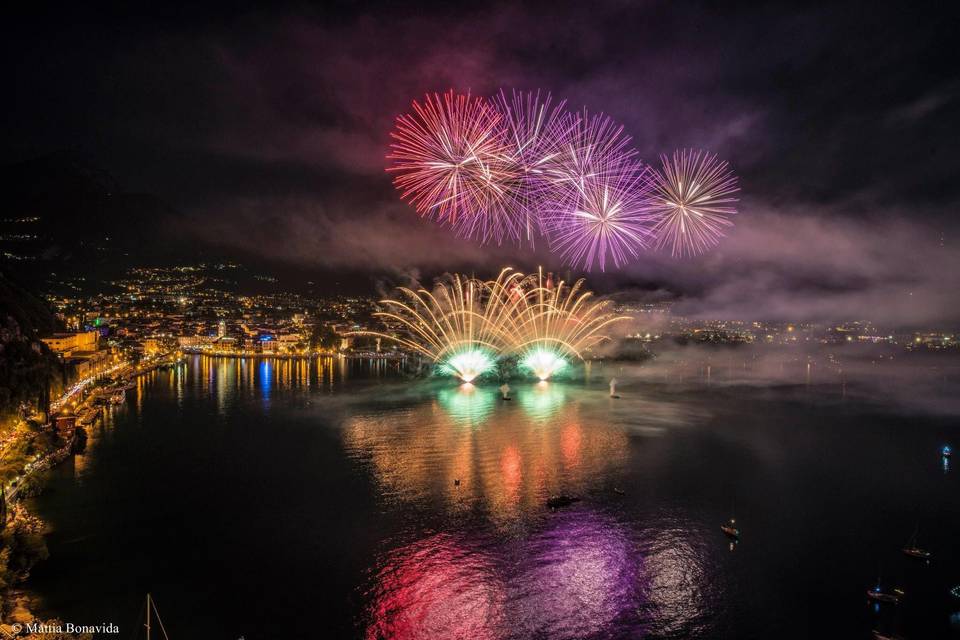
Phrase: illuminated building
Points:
(64, 344)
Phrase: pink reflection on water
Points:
(437, 588)
(578, 577)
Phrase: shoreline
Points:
(257, 355)
(24, 534)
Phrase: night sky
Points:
(266, 129)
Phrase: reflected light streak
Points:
(508, 461)
(580, 577)
(437, 588)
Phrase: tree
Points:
(324, 337)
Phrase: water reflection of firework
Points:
(543, 400)
(579, 577)
(465, 324)
(437, 588)
(468, 404)
(509, 457)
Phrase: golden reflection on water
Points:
(588, 571)
(507, 455)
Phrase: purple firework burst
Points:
(535, 132)
(603, 216)
(516, 165)
(589, 146)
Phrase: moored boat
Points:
(877, 594)
(914, 550)
(730, 529)
(880, 596)
(556, 502)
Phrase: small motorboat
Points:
(914, 550)
(730, 529)
(946, 451)
(557, 502)
(917, 552)
(879, 595)
(619, 491)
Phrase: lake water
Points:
(279, 499)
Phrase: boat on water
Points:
(946, 451)
(877, 594)
(556, 502)
(955, 592)
(88, 417)
(917, 552)
(914, 550)
(730, 529)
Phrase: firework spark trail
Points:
(693, 200)
(458, 325)
(590, 146)
(535, 132)
(594, 208)
(513, 167)
(464, 325)
(553, 324)
(451, 162)
(603, 217)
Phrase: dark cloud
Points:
(268, 128)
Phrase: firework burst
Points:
(517, 166)
(535, 132)
(465, 325)
(552, 325)
(590, 146)
(458, 325)
(603, 217)
(693, 200)
(451, 163)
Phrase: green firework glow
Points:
(544, 363)
(467, 365)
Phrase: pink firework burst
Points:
(535, 132)
(452, 164)
(693, 201)
(602, 216)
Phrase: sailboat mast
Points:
(148, 616)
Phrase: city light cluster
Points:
(518, 166)
(465, 326)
